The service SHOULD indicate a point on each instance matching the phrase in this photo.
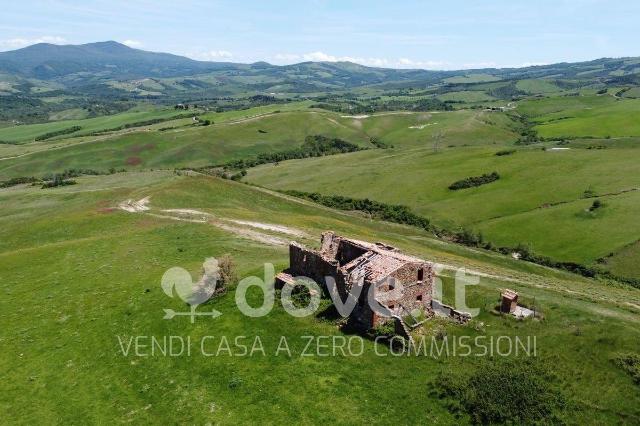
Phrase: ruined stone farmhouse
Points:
(353, 263)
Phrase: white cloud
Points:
(318, 56)
(324, 57)
(210, 55)
(410, 63)
(133, 43)
(19, 42)
(479, 65)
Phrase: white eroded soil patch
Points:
(357, 117)
(133, 206)
(270, 227)
(422, 126)
(238, 227)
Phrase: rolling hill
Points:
(76, 65)
(91, 273)
(107, 59)
(547, 161)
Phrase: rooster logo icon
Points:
(177, 281)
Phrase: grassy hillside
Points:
(542, 158)
(186, 146)
(27, 133)
(584, 116)
(537, 190)
(430, 151)
(72, 288)
(236, 135)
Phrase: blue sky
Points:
(450, 34)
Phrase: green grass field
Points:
(537, 86)
(516, 209)
(70, 289)
(584, 116)
(514, 168)
(27, 133)
(472, 78)
(466, 96)
(235, 136)
(431, 150)
(190, 146)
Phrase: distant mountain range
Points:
(75, 66)
(47, 82)
(106, 59)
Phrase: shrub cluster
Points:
(597, 204)
(385, 329)
(503, 392)
(18, 181)
(58, 180)
(71, 173)
(66, 174)
(140, 123)
(313, 146)
(473, 181)
(60, 132)
(379, 144)
(389, 212)
(630, 363)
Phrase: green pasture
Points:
(584, 116)
(28, 132)
(518, 208)
(70, 289)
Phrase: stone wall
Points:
(309, 263)
(417, 294)
(348, 251)
(336, 251)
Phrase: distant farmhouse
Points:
(353, 263)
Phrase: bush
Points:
(237, 176)
(18, 181)
(498, 392)
(630, 363)
(379, 144)
(596, 205)
(58, 180)
(313, 146)
(505, 152)
(473, 181)
(66, 131)
(140, 124)
(300, 295)
(389, 212)
(228, 271)
(386, 329)
(235, 382)
(469, 238)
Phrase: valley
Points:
(118, 165)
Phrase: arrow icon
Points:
(170, 314)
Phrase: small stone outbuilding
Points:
(509, 301)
